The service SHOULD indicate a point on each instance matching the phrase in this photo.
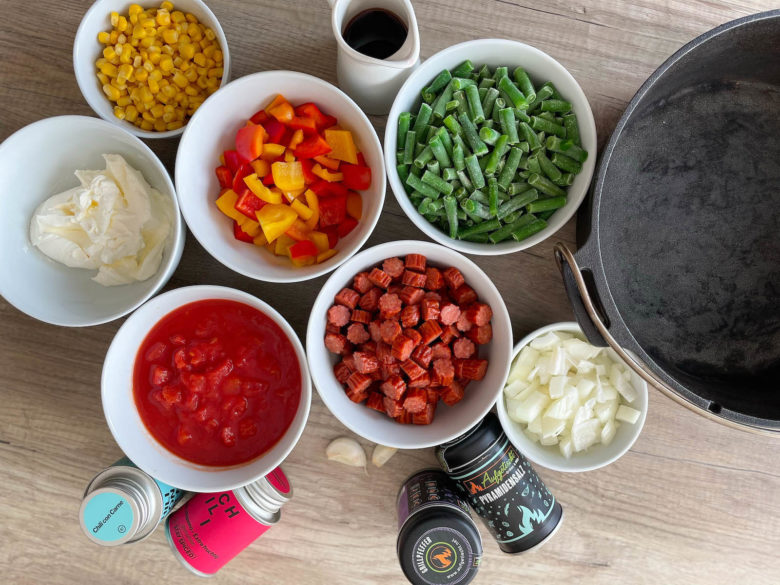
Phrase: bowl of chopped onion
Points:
(568, 405)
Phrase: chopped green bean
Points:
(545, 92)
(544, 185)
(476, 114)
(450, 106)
(416, 183)
(464, 179)
(565, 180)
(565, 163)
(528, 230)
(463, 69)
(422, 159)
(547, 127)
(546, 204)
(533, 164)
(453, 125)
(522, 116)
(459, 140)
(545, 215)
(438, 83)
(480, 228)
(548, 168)
(445, 140)
(510, 167)
(478, 147)
(554, 94)
(437, 183)
(517, 202)
(515, 95)
(505, 231)
(399, 157)
(479, 197)
(403, 172)
(508, 124)
(449, 174)
(488, 135)
(481, 92)
(440, 105)
(423, 206)
(487, 83)
(437, 148)
(566, 147)
(524, 146)
(530, 136)
(451, 209)
(484, 72)
(403, 127)
(409, 143)
(462, 83)
(423, 118)
(460, 97)
(457, 157)
(500, 72)
(434, 167)
(517, 188)
(572, 129)
(493, 196)
(475, 173)
(524, 83)
(558, 106)
(491, 95)
(493, 158)
(475, 209)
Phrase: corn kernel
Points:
(174, 125)
(111, 92)
(184, 66)
(113, 37)
(166, 64)
(154, 87)
(180, 80)
(146, 95)
(168, 117)
(184, 38)
(177, 16)
(177, 61)
(148, 116)
(218, 56)
(167, 6)
(146, 42)
(149, 66)
(137, 61)
(114, 18)
(157, 110)
(194, 31)
(126, 71)
(163, 17)
(103, 78)
(212, 83)
(141, 74)
(108, 69)
(200, 59)
(191, 91)
(134, 9)
(124, 101)
(155, 75)
(104, 38)
(125, 57)
(159, 125)
(109, 53)
(187, 51)
(169, 91)
(191, 75)
(216, 72)
(209, 51)
(121, 25)
(147, 125)
(202, 82)
(119, 112)
(133, 19)
(167, 49)
(210, 35)
(191, 17)
(170, 36)
(131, 113)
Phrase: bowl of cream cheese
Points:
(90, 223)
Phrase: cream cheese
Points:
(114, 222)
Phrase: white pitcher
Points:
(374, 83)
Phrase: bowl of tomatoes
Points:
(281, 176)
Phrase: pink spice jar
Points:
(211, 529)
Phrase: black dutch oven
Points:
(679, 246)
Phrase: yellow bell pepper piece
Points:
(303, 212)
(275, 219)
(289, 156)
(261, 167)
(320, 240)
(260, 240)
(298, 230)
(303, 261)
(296, 139)
(272, 151)
(342, 144)
(227, 205)
(256, 186)
(250, 227)
(288, 176)
(283, 244)
(313, 203)
(293, 195)
(326, 175)
(321, 257)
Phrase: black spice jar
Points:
(501, 486)
(438, 541)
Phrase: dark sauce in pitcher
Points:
(375, 32)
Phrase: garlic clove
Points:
(382, 455)
(347, 451)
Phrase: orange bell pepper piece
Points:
(283, 112)
(261, 167)
(321, 257)
(326, 175)
(354, 205)
(279, 99)
(272, 151)
(327, 162)
(296, 139)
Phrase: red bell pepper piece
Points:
(312, 146)
(286, 135)
(325, 188)
(249, 204)
(310, 110)
(260, 117)
(306, 166)
(241, 234)
(303, 123)
(233, 160)
(268, 180)
(303, 248)
(333, 235)
(224, 176)
(346, 226)
(239, 186)
(275, 130)
(333, 210)
(356, 177)
(249, 141)
(361, 159)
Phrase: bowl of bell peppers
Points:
(281, 175)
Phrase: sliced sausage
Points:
(375, 331)
(379, 277)
(412, 369)
(370, 299)
(416, 400)
(389, 329)
(452, 394)
(479, 313)
(393, 407)
(347, 297)
(376, 401)
(411, 278)
(463, 348)
(433, 278)
(416, 262)
(394, 387)
(470, 369)
(389, 305)
(402, 347)
(449, 313)
(414, 335)
(422, 382)
(444, 370)
(357, 334)
(360, 316)
(337, 343)
(358, 382)
(429, 309)
(339, 315)
(394, 267)
(463, 295)
(361, 283)
(423, 354)
(481, 335)
(429, 331)
(411, 295)
(426, 416)
(410, 315)
(342, 372)
(453, 277)
(441, 350)
(365, 363)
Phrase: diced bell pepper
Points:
(312, 146)
(233, 160)
(288, 176)
(261, 167)
(249, 204)
(240, 234)
(224, 176)
(356, 177)
(276, 219)
(256, 186)
(327, 162)
(326, 175)
(296, 139)
(320, 240)
(322, 256)
(272, 151)
(282, 112)
(249, 141)
(227, 204)
(346, 226)
(342, 145)
(333, 210)
(310, 110)
(303, 212)
(354, 205)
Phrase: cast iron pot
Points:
(679, 257)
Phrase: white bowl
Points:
(129, 430)
(212, 130)
(596, 456)
(449, 422)
(29, 280)
(494, 52)
(87, 49)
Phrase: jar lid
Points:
(470, 445)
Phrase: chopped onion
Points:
(569, 393)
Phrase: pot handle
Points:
(592, 322)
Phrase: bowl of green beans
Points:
(490, 146)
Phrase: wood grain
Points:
(693, 502)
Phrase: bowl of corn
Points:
(148, 68)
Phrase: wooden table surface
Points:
(692, 502)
